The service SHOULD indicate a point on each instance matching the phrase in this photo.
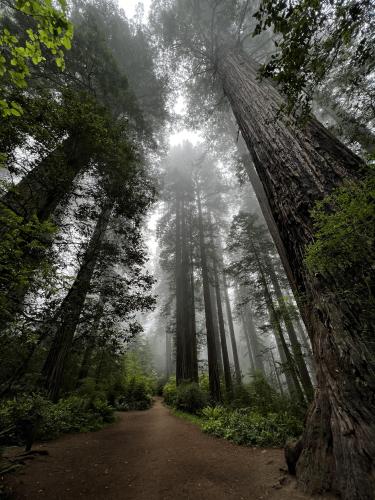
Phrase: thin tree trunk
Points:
(248, 345)
(291, 371)
(215, 320)
(90, 347)
(168, 353)
(186, 358)
(179, 297)
(296, 348)
(277, 374)
(70, 310)
(192, 287)
(251, 331)
(237, 368)
(213, 368)
(85, 364)
(223, 340)
(284, 361)
(190, 369)
(297, 167)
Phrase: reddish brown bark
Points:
(297, 167)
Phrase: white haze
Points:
(130, 7)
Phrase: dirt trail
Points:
(152, 455)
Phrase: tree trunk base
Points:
(292, 451)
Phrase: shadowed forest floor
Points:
(152, 455)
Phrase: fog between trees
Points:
(225, 252)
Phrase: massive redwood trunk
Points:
(297, 167)
(70, 311)
(43, 188)
(213, 367)
(39, 193)
(186, 356)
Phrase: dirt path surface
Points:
(152, 455)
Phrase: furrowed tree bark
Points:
(297, 167)
(213, 368)
(70, 310)
(265, 208)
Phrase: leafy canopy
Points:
(316, 36)
(49, 29)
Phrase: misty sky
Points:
(129, 6)
(179, 136)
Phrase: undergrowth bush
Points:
(187, 396)
(137, 385)
(136, 395)
(170, 392)
(256, 416)
(49, 420)
(190, 397)
(262, 398)
(247, 427)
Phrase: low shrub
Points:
(187, 396)
(170, 392)
(136, 395)
(247, 427)
(26, 414)
(190, 397)
(263, 399)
